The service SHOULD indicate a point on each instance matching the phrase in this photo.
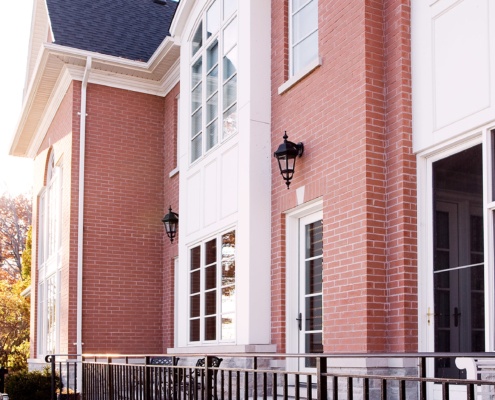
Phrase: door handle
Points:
(456, 315)
(299, 321)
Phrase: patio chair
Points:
(197, 382)
(165, 380)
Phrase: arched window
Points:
(49, 227)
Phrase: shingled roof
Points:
(131, 29)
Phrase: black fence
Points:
(271, 376)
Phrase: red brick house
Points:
(382, 243)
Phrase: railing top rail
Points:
(289, 355)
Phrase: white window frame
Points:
(219, 312)
(303, 70)
(222, 84)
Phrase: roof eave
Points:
(48, 70)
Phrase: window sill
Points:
(173, 172)
(224, 349)
(300, 75)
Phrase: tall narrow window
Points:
(303, 34)
(214, 77)
(49, 223)
(212, 290)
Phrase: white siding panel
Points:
(229, 186)
(461, 61)
(210, 205)
(193, 209)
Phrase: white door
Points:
(310, 302)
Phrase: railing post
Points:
(321, 371)
(422, 375)
(147, 380)
(255, 378)
(3, 371)
(51, 359)
(109, 379)
(208, 378)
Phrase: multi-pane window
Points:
(49, 260)
(212, 290)
(214, 77)
(303, 33)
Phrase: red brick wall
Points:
(171, 198)
(353, 115)
(123, 233)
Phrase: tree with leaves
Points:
(14, 322)
(15, 220)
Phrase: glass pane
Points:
(212, 82)
(197, 41)
(196, 98)
(212, 56)
(230, 121)
(230, 92)
(228, 327)
(196, 148)
(196, 72)
(196, 122)
(230, 64)
(213, 19)
(314, 313)
(195, 281)
(195, 306)
(314, 344)
(211, 328)
(194, 330)
(230, 36)
(212, 109)
(211, 302)
(305, 22)
(195, 257)
(229, 7)
(305, 52)
(314, 276)
(211, 277)
(211, 251)
(211, 135)
(228, 299)
(314, 239)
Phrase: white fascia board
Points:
(29, 98)
(182, 15)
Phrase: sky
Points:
(15, 24)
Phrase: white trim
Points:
(425, 231)
(292, 277)
(300, 75)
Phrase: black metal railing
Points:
(266, 376)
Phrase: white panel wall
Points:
(211, 194)
(453, 61)
(230, 187)
(230, 182)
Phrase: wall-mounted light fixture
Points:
(286, 155)
(171, 221)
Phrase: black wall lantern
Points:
(171, 220)
(286, 155)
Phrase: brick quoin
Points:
(353, 115)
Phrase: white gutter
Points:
(80, 220)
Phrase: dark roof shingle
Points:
(131, 29)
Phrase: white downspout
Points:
(80, 221)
